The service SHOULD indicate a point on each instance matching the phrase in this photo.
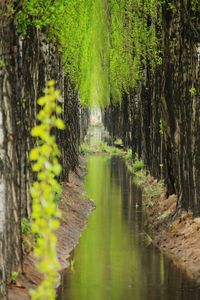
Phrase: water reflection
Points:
(112, 260)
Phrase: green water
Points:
(113, 260)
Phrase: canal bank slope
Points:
(177, 235)
(75, 211)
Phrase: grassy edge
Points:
(103, 147)
(151, 188)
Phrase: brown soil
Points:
(75, 211)
(177, 236)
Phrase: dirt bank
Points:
(177, 236)
(75, 211)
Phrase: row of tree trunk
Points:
(160, 119)
(25, 67)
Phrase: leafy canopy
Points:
(104, 43)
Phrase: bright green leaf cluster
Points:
(14, 276)
(45, 214)
(193, 91)
(2, 64)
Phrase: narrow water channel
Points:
(113, 261)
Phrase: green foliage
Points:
(171, 7)
(85, 148)
(115, 150)
(45, 213)
(94, 85)
(104, 44)
(28, 237)
(161, 128)
(2, 64)
(195, 6)
(104, 147)
(57, 197)
(151, 188)
(193, 91)
(138, 165)
(128, 155)
(133, 40)
(26, 226)
(134, 164)
(140, 177)
(14, 277)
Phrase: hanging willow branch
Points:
(103, 43)
(45, 213)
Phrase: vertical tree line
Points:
(26, 64)
(159, 117)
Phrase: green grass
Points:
(85, 148)
(133, 163)
(141, 178)
(128, 155)
(138, 165)
(115, 150)
(103, 147)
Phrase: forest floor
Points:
(75, 211)
(177, 236)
